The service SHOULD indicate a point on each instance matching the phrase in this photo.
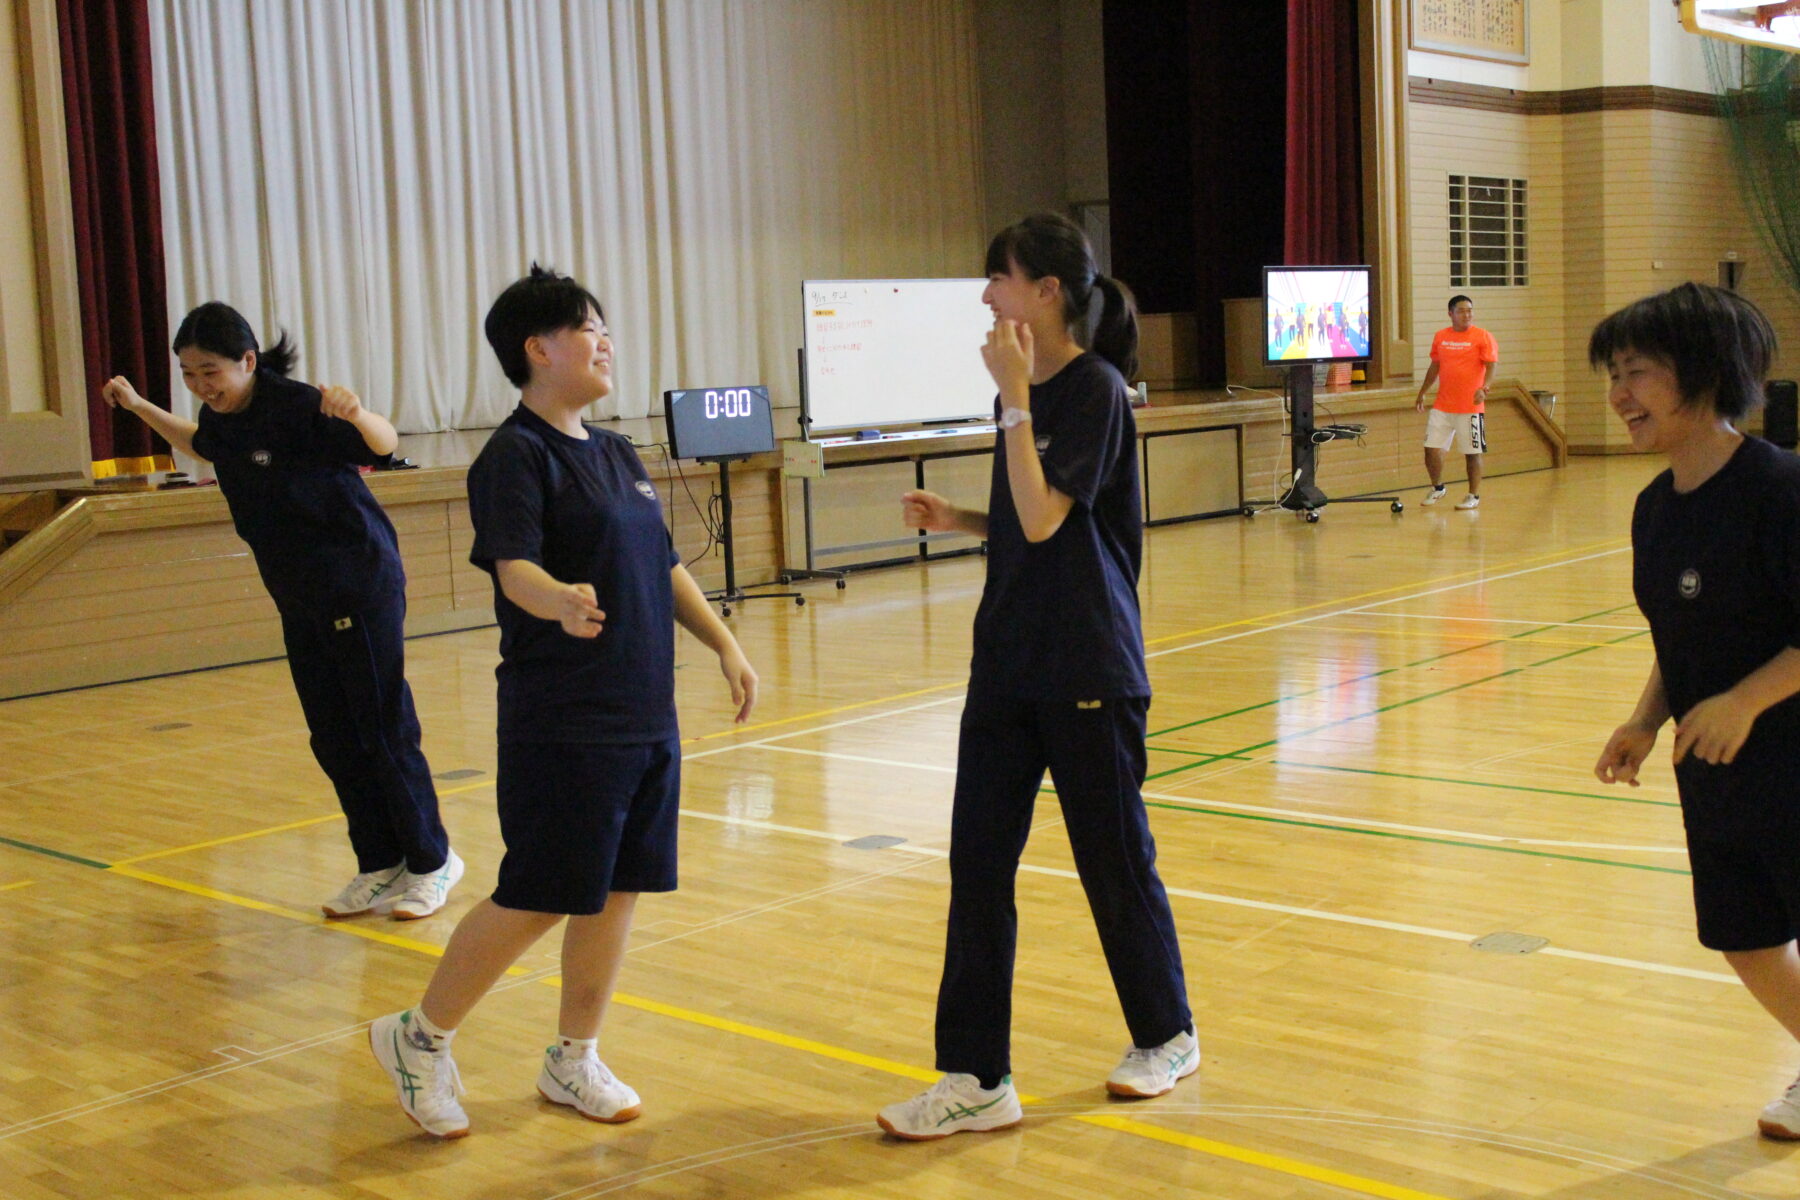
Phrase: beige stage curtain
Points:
(370, 173)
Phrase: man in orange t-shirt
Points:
(1462, 365)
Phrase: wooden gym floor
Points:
(1371, 744)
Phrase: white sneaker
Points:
(1781, 1116)
(364, 893)
(1142, 1073)
(425, 894)
(1434, 495)
(1470, 501)
(425, 1079)
(953, 1104)
(584, 1084)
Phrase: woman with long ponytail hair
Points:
(1057, 683)
(286, 454)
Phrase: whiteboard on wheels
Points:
(886, 352)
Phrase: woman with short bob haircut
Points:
(1716, 571)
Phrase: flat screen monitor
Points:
(719, 422)
(1315, 314)
(886, 352)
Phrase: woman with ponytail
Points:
(286, 454)
(1057, 683)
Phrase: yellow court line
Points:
(1256, 1158)
(1473, 575)
(1483, 639)
(1225, 1150)
(9, 887)
(221, 841)
(264, 832)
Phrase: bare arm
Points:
(1042, 509)
(694, 614)
(377, 431)
(934, 514)
(571, 605)
(1009, 355)
(1716, 728)
(1631, 743)
(1431, 374)
(175, 430)
(1487, 381)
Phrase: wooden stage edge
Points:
(125, 584)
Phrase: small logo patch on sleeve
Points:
(342, 623)
(1089, 703)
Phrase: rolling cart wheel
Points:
(1397, 506)
(1248, 511)
(1312, 518)
(725, 610)
(842, 585)
(799, 601)
(785, 579)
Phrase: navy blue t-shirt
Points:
(584, 511)
(1059, 618)
(1717, 575)
(289, 475)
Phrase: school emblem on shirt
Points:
(1043, 443)
(1689, 585)
(645, 490)
(261, 457)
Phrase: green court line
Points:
(1509, 787)
(49, 853)
(1415, 837)
(1412, 700)
(1511, 637)
(1206, 754)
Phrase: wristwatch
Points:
(1011, 418)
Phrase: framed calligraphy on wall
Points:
(1494, 30)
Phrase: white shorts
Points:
(1464, 431)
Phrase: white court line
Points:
(1340, 612)
(1502, 621)
(874, 716)
(1581, 1156)
(1195, 801)
(1498, 839)
(1243, 902)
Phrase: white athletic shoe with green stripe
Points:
(366, 893)
(582, 1082)
(956, 1103)
(1144, 1073)
(425, 1079)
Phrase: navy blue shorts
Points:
(583, 821)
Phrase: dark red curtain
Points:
(1324, 140)
(111, 115)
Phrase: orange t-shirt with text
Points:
(1462, 360)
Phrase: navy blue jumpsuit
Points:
(1058, 684)
(328, 555)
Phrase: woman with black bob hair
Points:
(1716, 571)
(1057, 683)
(286, 454)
